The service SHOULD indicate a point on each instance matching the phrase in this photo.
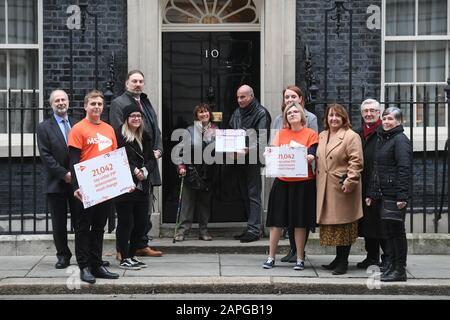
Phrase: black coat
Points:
(370, 224)
(150, 121)
(392, 167)
(138, 158)
(256, 117)
(54, 155)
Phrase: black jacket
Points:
(138, 158)
(54, 155)
(256, 117)
(369, 146)
(392, 167)
(150, 121)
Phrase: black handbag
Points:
(390, 211)
(193, 179)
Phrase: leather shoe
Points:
(239, 236)
(366, 263)
(179, 237)
(62, 263)
(103, 273)
(148, 252)
(205, 237)
(86, 275)
(290, 257)
(106, 263)
(249, 237)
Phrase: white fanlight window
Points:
(211, 12)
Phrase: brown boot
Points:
(148, 252)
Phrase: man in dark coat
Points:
(370, 224)
(134, 94)
(52, 135)
(251, 115)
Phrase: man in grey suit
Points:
(134, 86)
(52, 135)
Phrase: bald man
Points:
(251, 115)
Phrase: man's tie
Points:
(66, 129)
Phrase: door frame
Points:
(278, 42)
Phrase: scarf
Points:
(369, 129)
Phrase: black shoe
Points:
(341, 268)
(86, 275)
(385, 266)
(331, 265)
(398, 274)
(62, 263)
(366, 263)
(290, 257)
(239, 236)
(106, 263)
(249, 237)
(103, 273)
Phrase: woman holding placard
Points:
(132, 208)
(290, 202)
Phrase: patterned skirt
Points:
(338, 234)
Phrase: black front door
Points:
(205, 67)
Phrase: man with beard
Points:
(52, 135)
(134, 86)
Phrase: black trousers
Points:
(58, 203)
(250, 186)
(89, 229)
(396, 241)
(132, 220)
(145, 238)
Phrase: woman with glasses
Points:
(291, 200)
(132, 208)
(293, 94)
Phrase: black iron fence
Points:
(23, 208)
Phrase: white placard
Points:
(230, 140)
(286, 162)
(104, 177)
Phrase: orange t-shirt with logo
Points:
(92, 139)
(306, 137)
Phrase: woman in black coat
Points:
(132, 208)
(391, 184)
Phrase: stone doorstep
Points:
(224, 285)
(25, 245)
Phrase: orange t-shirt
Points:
(305, 136)
(92, 139)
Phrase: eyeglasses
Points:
(370, 110)
(136, 116)
(292, 112)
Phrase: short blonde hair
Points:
(299, 108)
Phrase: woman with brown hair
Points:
(197, 191)
(339, 204)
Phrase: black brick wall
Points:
(112, 34)
(366, 55)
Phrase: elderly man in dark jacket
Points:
(134, 94)
(370, 224)
(251, 115)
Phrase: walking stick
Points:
(178, 209)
